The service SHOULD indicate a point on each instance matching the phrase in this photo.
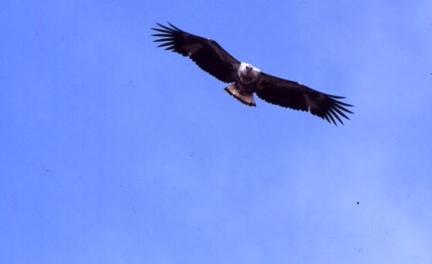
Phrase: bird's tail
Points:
(243, 96)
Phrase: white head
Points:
(248, 73)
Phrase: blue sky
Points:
(114, 151)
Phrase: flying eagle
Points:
(245, 79)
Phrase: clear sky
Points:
(115, 151)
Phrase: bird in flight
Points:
(245, 80)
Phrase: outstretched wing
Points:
(300, 97)
(206, 53)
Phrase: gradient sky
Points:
(115, 151)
